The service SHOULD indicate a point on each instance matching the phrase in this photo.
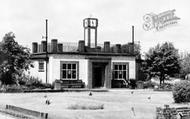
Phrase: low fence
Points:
(27, 111)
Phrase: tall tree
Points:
(185, 64)
(18, 59)
(162, 61)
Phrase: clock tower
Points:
(90, 31)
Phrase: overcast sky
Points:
(26, 18)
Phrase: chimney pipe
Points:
(133, 40)
(117, 48)
(81, 46)
(107, 46)
(132, 34)
(60, 47)
(34, 47)
(131, 48)
(54, 45)
(43, 46)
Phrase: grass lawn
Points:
(118, 104)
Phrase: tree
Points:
(137, 48)
(18, 59)
(162, 61)
(185, 64)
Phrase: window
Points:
(120, 70)
(69, 70)
(41, 66)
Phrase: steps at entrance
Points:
(60, 84)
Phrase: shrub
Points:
(139, 84)
(181, 92)
(132, 83)
(33, 82)
(149, 84)
(166, 86)
(119, 84)
(12, 88)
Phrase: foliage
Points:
(25, 83)
(181, 92)
(17, 59)
(185, 64)
(12, 88)
(166, 86)
(161, 61)
(148, 84)
(119, 84)
(32, 82)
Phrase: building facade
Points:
(93, 65)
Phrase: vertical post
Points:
(84, 30)
(133, 35)
(89, 33)
(95, 37)
(133, 44)
(84, 35)
(46, 50)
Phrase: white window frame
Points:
(71, 70)
(120, 71)
(41, 68)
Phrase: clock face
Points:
(93, 23)
(90, 23)
(86, 23)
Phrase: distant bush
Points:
(181, 92)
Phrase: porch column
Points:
(89, 75)
(108, 75)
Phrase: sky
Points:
(26, 18)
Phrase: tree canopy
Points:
(17, 59)
(162, 61)
(185, 64)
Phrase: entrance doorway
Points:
(98, 75)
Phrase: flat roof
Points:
(43, 54)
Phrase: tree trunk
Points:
(161, 80)
(162, 77)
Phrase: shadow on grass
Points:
(86, 107)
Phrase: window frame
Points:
(76, 69)
(122, 70)
(41, 69)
